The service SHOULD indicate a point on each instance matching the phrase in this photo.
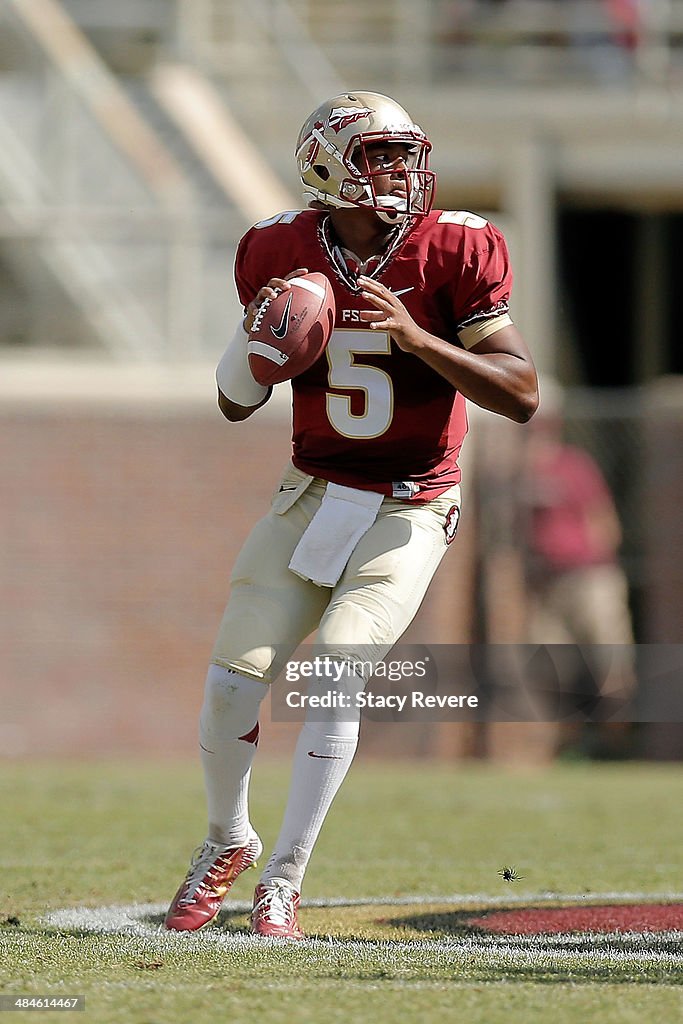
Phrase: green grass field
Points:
(103, 835)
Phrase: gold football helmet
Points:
(333, 164)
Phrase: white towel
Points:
(345, 514)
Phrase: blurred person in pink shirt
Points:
(577, 588)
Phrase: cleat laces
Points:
(207, 872)
(277, 904)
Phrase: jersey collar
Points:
(347, 265)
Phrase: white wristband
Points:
(233, 375)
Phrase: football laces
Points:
(262, 310)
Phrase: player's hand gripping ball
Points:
(292, 330)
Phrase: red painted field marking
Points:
(629, 917)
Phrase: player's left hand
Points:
(391, 315)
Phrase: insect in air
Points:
(509, 874)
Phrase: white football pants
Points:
(271, 610)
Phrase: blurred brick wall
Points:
(119, 530)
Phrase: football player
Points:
(370, 501)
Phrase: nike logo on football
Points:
(280, 331)
(402, 291)
(327, 757)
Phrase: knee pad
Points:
(231, 703)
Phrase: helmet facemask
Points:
(412, 191)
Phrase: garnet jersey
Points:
(367, 414)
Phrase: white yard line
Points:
(142, 919)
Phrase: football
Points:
(291, 331)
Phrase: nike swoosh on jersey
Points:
(280, 331)
(402, 291)
(327, 757)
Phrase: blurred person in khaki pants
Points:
(577, 590)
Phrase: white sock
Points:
(323, 756)
(228, 736)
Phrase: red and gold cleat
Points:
(275, 910)
(212, 872)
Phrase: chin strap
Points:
(394, 209)
(389, 216)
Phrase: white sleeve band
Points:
(233, 375)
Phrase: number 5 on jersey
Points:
(376, 386)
